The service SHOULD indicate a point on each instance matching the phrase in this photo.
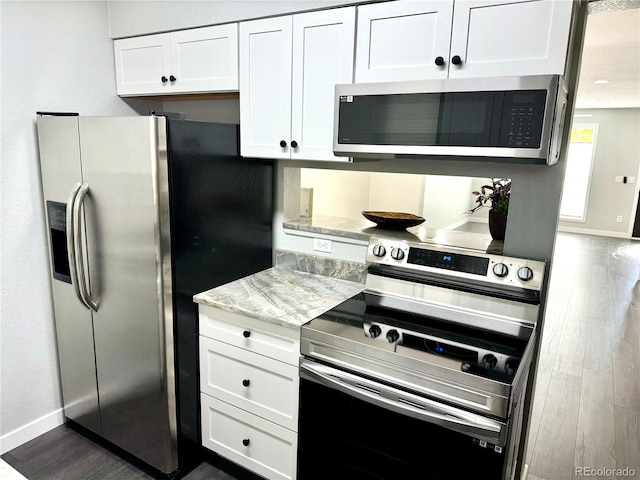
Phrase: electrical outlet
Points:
(322, 245)
(619, 178)
(619, 219)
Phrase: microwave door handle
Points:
(422, 409)
(83, 280)
(71, 247)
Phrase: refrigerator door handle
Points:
(71, 247)
(79, 254)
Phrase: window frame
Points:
(594, 143)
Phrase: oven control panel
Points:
(472, 357)
(448, 261)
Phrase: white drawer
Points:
(252, 382)
(270, 449)
(271, 340)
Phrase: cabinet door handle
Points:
(172, 78)
(246, 334)
(246, 442)
(283, 143)
(439, 61)
(294, 144)
(456, 60)
(163, 79)
(246, 382)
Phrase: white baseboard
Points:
(463, 221)
(478, 219)
(457, 224)
(30, 431)
(587, 231)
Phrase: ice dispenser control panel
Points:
(57, 216)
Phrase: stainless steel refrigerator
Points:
(142, 213)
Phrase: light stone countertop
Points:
(363, 230)
(285, 297)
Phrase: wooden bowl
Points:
(393, 220)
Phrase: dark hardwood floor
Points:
(586, 410)
(66, 454)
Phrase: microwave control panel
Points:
(522, 117)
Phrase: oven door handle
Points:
(405, 403)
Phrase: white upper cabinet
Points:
(289, 67)
(323, 49)
(418, 40)
(265, 87)
(199, 60)
(503, 37)
(141, 65)
(205, 59)
(403, 40)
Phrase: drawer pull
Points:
(246, 334)
(246, 382)
(245, 442)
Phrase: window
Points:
(582, 148)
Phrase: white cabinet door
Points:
(402, 40)
(205, 59)
(141, 65)
(253, 442)
(260, 385)
(323, 50)
(264, 338)
(265, 87)
(510, 37)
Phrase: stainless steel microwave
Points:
(517, 119)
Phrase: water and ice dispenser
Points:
(57, 214)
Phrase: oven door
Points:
(354, 427)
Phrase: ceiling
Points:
(611, 52)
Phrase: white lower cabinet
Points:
(248, 440)
(249, 385)
(266, 387)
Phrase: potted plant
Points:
(495, 196)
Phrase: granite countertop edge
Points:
(280, 296)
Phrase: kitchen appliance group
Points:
(433, 355)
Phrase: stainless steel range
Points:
(432, 358)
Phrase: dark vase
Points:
(497, 224)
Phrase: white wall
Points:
(442, 200)
(446, 200)
(346, 194)
(389, 192)
(617, 154)
(56, 56)
(338, 194)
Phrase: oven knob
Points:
(511, 365)
(489, 361)
(374, 331)
(379, 250)
(500, 270)
(397, 254)
(393, 336)
(525, 274)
